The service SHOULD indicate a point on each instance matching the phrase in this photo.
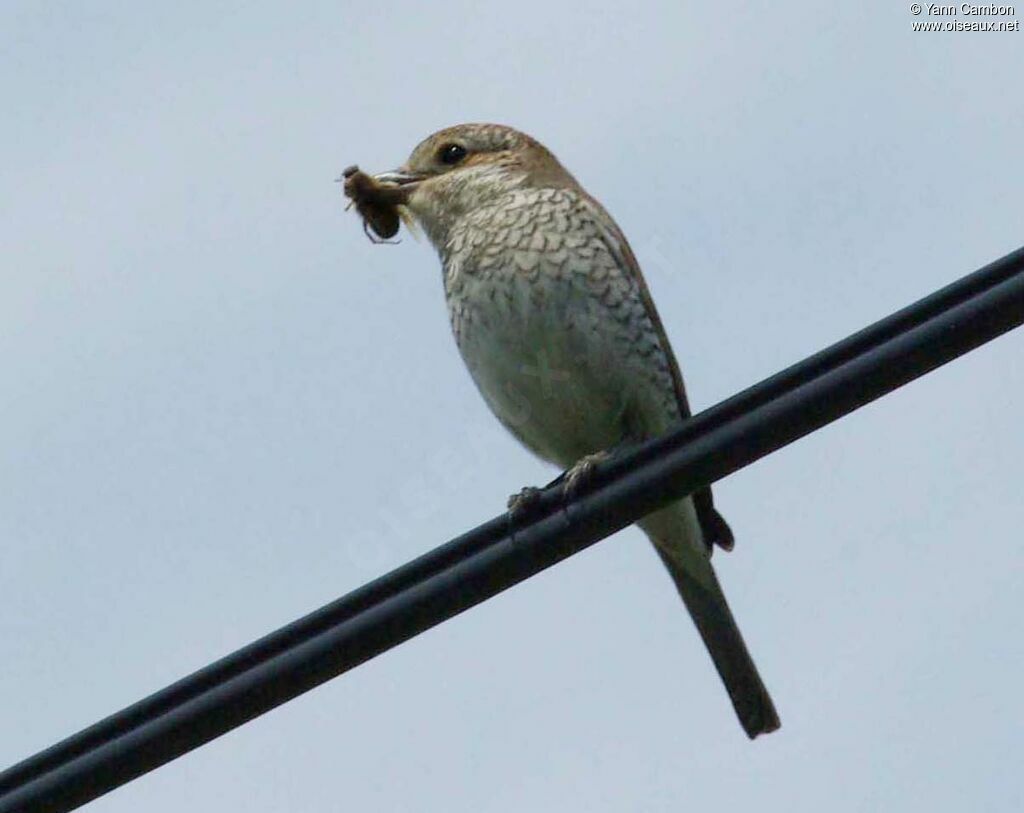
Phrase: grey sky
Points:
(222, 406)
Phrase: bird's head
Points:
(468, 166)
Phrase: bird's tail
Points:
(695, 579)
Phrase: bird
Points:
(558, 329)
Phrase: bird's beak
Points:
(399, 177)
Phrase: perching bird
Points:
(558, 329)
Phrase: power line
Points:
(493, 557)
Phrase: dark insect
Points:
(375, 202)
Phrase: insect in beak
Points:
(379, 199)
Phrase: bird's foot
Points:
(521, 506)
(581, 473)
(523, 502)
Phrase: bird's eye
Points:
(451, 153)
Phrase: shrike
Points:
(558, 329)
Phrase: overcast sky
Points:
(222, 407)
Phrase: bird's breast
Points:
(534, 301)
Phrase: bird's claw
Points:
(581, 473)
(523, 502)
(521, 506)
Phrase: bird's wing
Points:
(716, 529)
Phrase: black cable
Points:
(489, 559)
